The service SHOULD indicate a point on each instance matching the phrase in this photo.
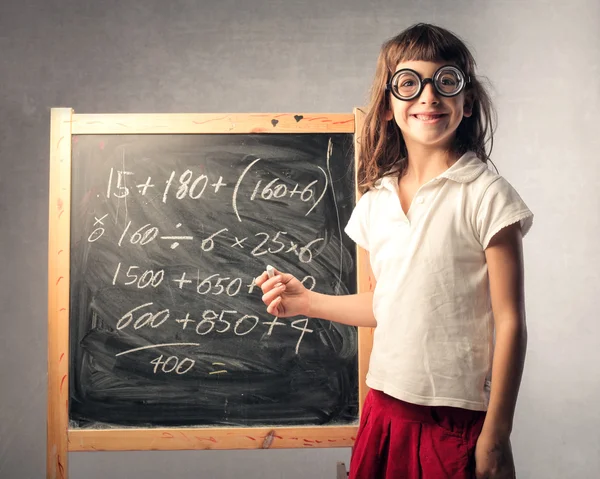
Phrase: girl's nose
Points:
(429, 94)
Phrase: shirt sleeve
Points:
(501, 206)
(358, 224)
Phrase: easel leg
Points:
(341, 471)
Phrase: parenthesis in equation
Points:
(322, 194)
(237, 185)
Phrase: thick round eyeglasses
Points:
(407, 84)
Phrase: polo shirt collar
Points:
(466, 169)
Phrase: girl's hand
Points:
(493, 457)
(284, 295)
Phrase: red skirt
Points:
(400, 440)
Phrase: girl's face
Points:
(429, 120)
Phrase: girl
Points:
(444, 236)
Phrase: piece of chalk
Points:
(268, 439)
(270, 271)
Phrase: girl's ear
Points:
(468, 106)
(389, 115)
(467, 110)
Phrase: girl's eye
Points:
(448, 81)
(407, 83)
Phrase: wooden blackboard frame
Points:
(61, 439)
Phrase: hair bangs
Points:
(425, 43)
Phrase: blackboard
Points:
(167, 234)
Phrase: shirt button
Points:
(420, 200)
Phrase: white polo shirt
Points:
(433, 344)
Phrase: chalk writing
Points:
(168, 236)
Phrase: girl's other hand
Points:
(493, 457)
(284, 295)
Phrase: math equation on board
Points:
(168, 235)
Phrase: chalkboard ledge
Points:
(210, 438)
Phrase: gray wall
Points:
(543, 59)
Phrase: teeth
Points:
(427, 117)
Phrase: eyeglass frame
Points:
(425, 81)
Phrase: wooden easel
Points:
(61, 439)
(341, 472)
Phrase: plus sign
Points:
(182, 281)
(251, 286)
(294, 191)
(218, 184)
(185, 320)
(144, 186)
(273, 324)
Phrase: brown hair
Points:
(382, 148)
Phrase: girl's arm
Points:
(285, 296)
(504, 257)
(353, 309)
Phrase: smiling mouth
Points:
(430, 117)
